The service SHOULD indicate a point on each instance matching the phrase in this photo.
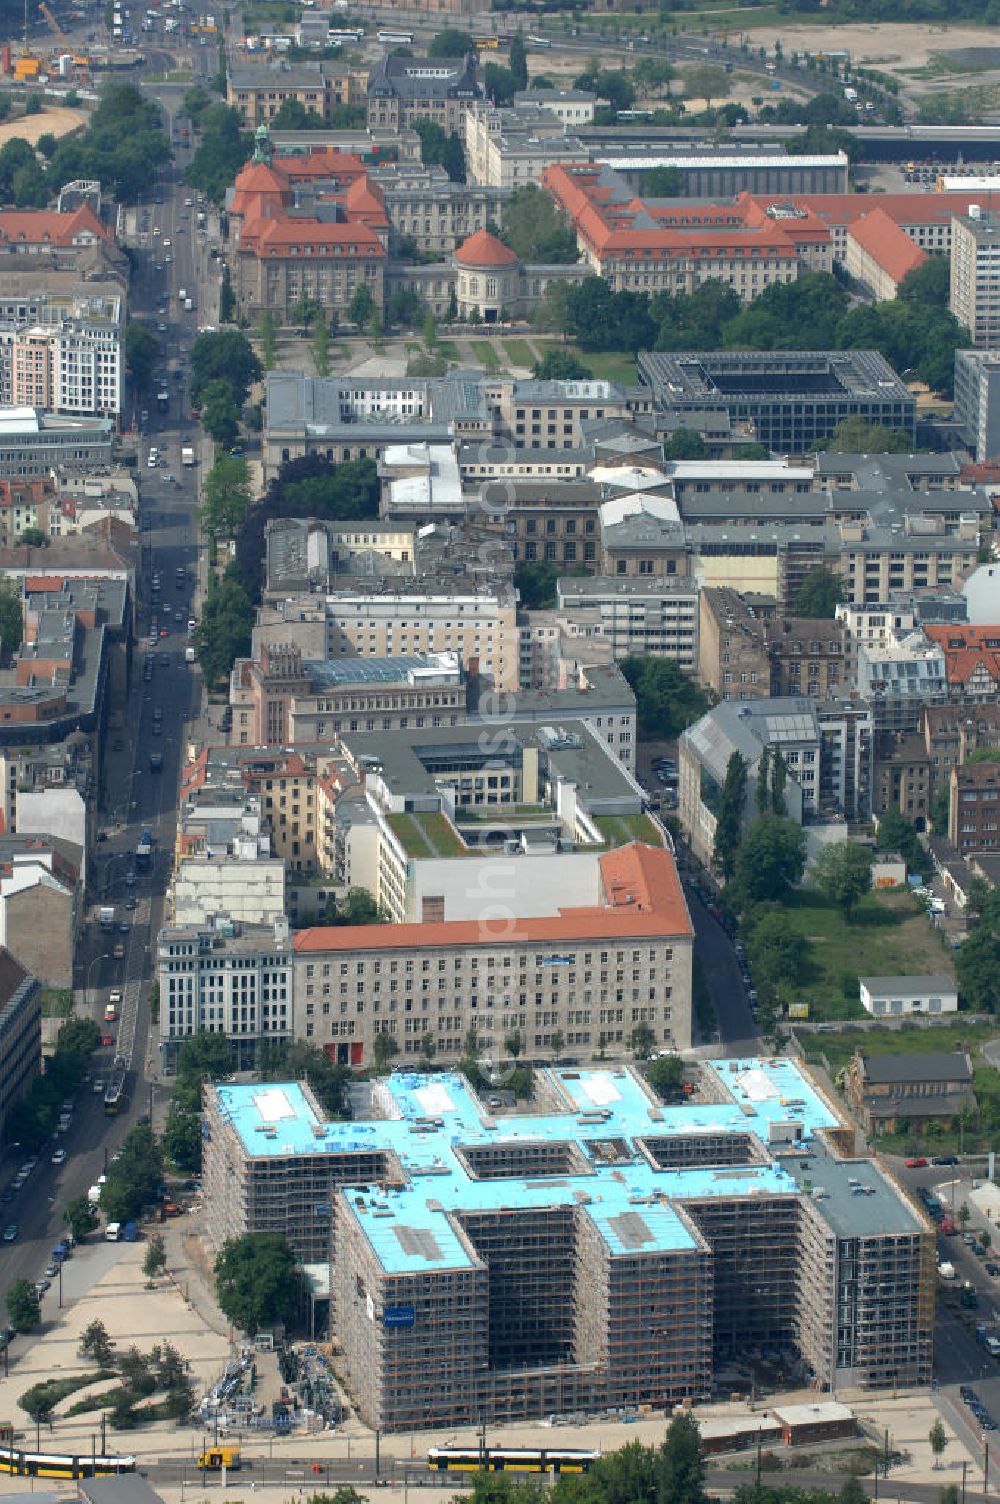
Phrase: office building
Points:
(977, 401)
(880, 255)
(593, 945)
(665, 245)
(597, 1252)
(792, 398)
(20, 1035)
(403, 90)
(233, 979)
(636, 616)
(33, 442)
(731, 170)
(508, 146)
(257, 91)
(975, 274)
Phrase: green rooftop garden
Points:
(618, 830)
(427, 834)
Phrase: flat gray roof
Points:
(853, 1195)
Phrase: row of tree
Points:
(122, 147)
(916, 331)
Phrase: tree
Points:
(79, 1216)
(96, 1345)
(268, 333)
(641, 1041)
(684, 444)
(219, 413)
(32, 537)
(298, 1060)
(498, 84)
(223, 355)
(306, 310)
(156, 1257)
(652, 74)
(23, 1310)
(225, 496)
(451, 43)
(514, 1044)
(706, 82)
(227, 298)
(778, 954)
(667, 699)
(680, 1466)
(928, 284)
(779, 774)
(428, 1049)
(855, 436)
(430, 328)
(843, 872)
(536, 228)
(977, 970)
(257, 1281)
(384, 1049)
(896, 833)
(227, 621)
(141, 350)
(320, 347)
(666, 1076)
(560, 365)
(729, 818)
(557, 1042)
(940, 810)
(770, 860)
(182, 1138)
(361, 306)
(819, 594)
(133, 1177)
(439, 148)
(222, 150)
(293, 115)
(763, 782)
(518, 61)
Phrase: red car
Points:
(916, 1164)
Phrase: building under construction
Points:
(603, 1250)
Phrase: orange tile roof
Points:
(678, 230)
(903, 208)
(966, 649)
(643, 899)
(48, 227)
(484, 249)
(889, 247)
(278, 235)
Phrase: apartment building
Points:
(257, 91)
(233, 979)
(972, 660)
(879, 562)
(403, 90)
(975, 274)
(225, 867)
(571, 106)
(974, 807)
(732, 656)
(646, 245)
(20, 1035)
(636, 616)
(41, 894)
(509, 1224)
(901, 677)
(605, 948)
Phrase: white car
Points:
(152, 462)
(59, 1156)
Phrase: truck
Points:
(113, 1232)
(155, 762)
(144, 850)
(189, 305)
(214, 1459)
(170, 24)
(187, 455)
(163, 400)
(107, 915)
(946, 1270)
(190, 656)
(949, 1226)
(851, 95)
(94, 1195)
(181, 294)
(130, 1232)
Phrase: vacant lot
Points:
(888, 935)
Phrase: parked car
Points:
(916, 1164)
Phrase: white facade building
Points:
(900, 997)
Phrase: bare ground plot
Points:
(896, 48)
(57, 121)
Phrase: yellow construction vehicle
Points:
(26, 68)
(52, 23)
(217, 1458)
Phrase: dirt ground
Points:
(894, 48)
(57, 121)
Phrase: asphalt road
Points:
(131, 795)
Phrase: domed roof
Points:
(484, 249)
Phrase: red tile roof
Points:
(966, 649)
(642, 899)
(484, 249)
(903, 208)
(889, 247)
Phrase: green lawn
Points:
(446, 348)
(889, 935)
(608, 365)
(519, 352)
(618, 830)
(441, 834)
(485, 352)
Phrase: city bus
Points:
(396, 38)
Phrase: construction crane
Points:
(53, 24)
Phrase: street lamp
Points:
(106, 956)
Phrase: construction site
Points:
(597, 1251)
